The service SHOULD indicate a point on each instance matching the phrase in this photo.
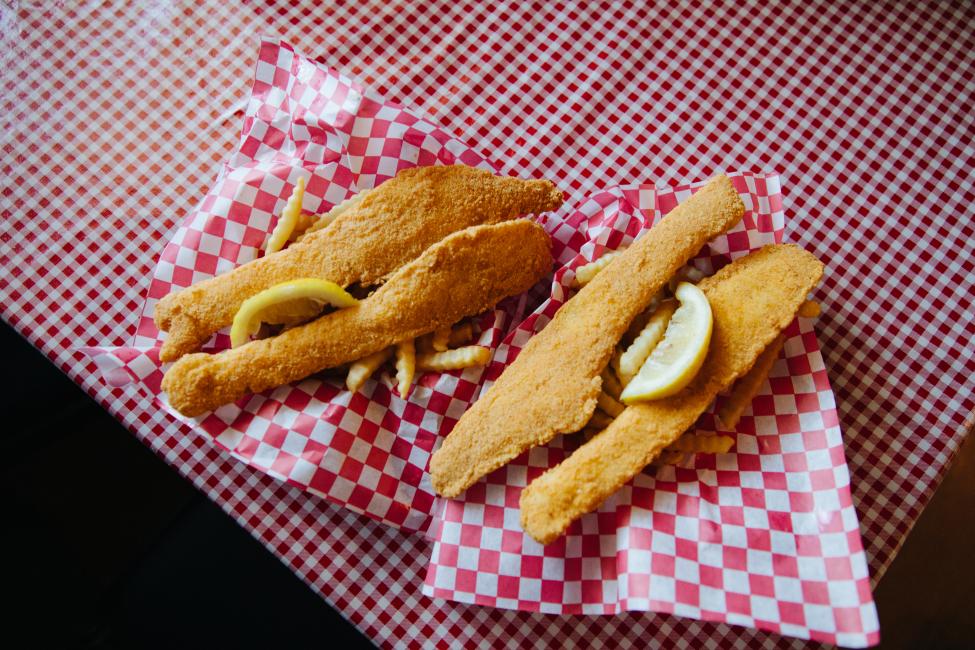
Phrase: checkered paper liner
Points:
(764, 536)
(369, 451)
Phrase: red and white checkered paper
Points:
(765, 537)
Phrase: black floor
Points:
(107, 547)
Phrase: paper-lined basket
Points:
(765, 535)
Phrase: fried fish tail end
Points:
(463, 275)
(553, 385)
(391, 225)
(752, 300)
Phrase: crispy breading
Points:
(752, 301)
(462, 275)
(390, 226)
(553, 385)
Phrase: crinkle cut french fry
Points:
(698, 444)
(614, 363)
(471, 355)
(637, 353)
(587, 272)
(441, 339)
(405, 366)
(641, 320)
(637, 325)
(289, 217)
(611, 384)
(460, 335)
(746, 388)
(362, 369)
(304, 222)
(608, 404)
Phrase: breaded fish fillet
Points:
(390, 226)
(553, 384)
(462, 275)
(752, 301)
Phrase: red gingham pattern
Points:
(765, 536)
(115, 120)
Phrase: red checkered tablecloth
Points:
(115, 120)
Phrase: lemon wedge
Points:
(286, 302)
(677, 358)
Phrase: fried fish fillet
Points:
(553, 385)
(391, 225)
(460, 276)
(752, 301)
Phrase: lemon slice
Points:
(292, 312)
(677, 358)
(286, 302)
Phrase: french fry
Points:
(460, 335)
(363, 369)
(304, 222)
(611, 384)
(637, 353)
(471, 355)
(608, 404)
(810, 309)
(587, 272)
(441, 338)
(746, 388)
(641, 320)
(405, 366)
(699, 444)
(614, 363)
(289, 217)
(638, 323)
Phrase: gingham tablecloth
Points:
(115, 120)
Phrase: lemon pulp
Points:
(676, 360)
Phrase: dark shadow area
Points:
(107, 547)
(927, 597)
